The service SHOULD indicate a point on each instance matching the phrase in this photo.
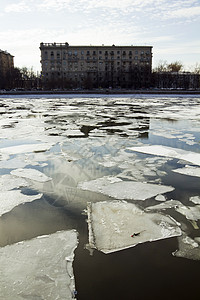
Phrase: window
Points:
(136, 51)
(75, 53)
(82, 52)
(70, 53)
(118, 52)
(88, 52)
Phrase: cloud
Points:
(187, 12)
(17, 7)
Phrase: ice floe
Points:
(31, 174)
(13, 198)
(40, 268)
(26, 148)
(190, 212)
(195, 199)
(188, 248)
(189, 156)
(116, 188)
(118, 225)
(9, 182)
(189, 170)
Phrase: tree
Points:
(175, 66)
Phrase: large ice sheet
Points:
(31, 174)
(115, 187)
(11, 199)
(189, 156)
(118, 225)
(40, 268)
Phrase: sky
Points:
(171, 27)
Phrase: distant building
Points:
(6, 62)
(68, 66)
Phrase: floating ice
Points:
(11, 199)
(40, 268)
(189, 156)
(13, 163)
(160, 198)
(31, 174)
(115, 187)
(9, 182)
(188, 248)
(26, 148)
(165, 205)
(190, 212)
(189, 170)
(195, 199)
(124, 225)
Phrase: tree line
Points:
(19, 78)
(164, 75)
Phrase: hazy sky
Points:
(171, 27)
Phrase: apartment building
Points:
(68, 66)
(6, 62)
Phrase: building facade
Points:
(65, 66)
(6, 61)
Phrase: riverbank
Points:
(102, 91)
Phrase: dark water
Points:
(148, 270)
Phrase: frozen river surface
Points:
(99, 197)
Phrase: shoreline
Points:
(102, 92)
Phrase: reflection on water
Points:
(89, 140)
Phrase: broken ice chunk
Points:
(39, 268)
(189, 156)
(195, 199)
(160, 198)
(191, 213)
(125, 189)
(9, 182)
(188, 248)
(31, 174)
(189, 170)
(124, 225)
(11, 199)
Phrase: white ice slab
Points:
(40, 268)
(189, 156)
(31, 174)
(118, 225)
(26, 148)
(189, 170)
(9, 182)
(11, 199)
(114, 187)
